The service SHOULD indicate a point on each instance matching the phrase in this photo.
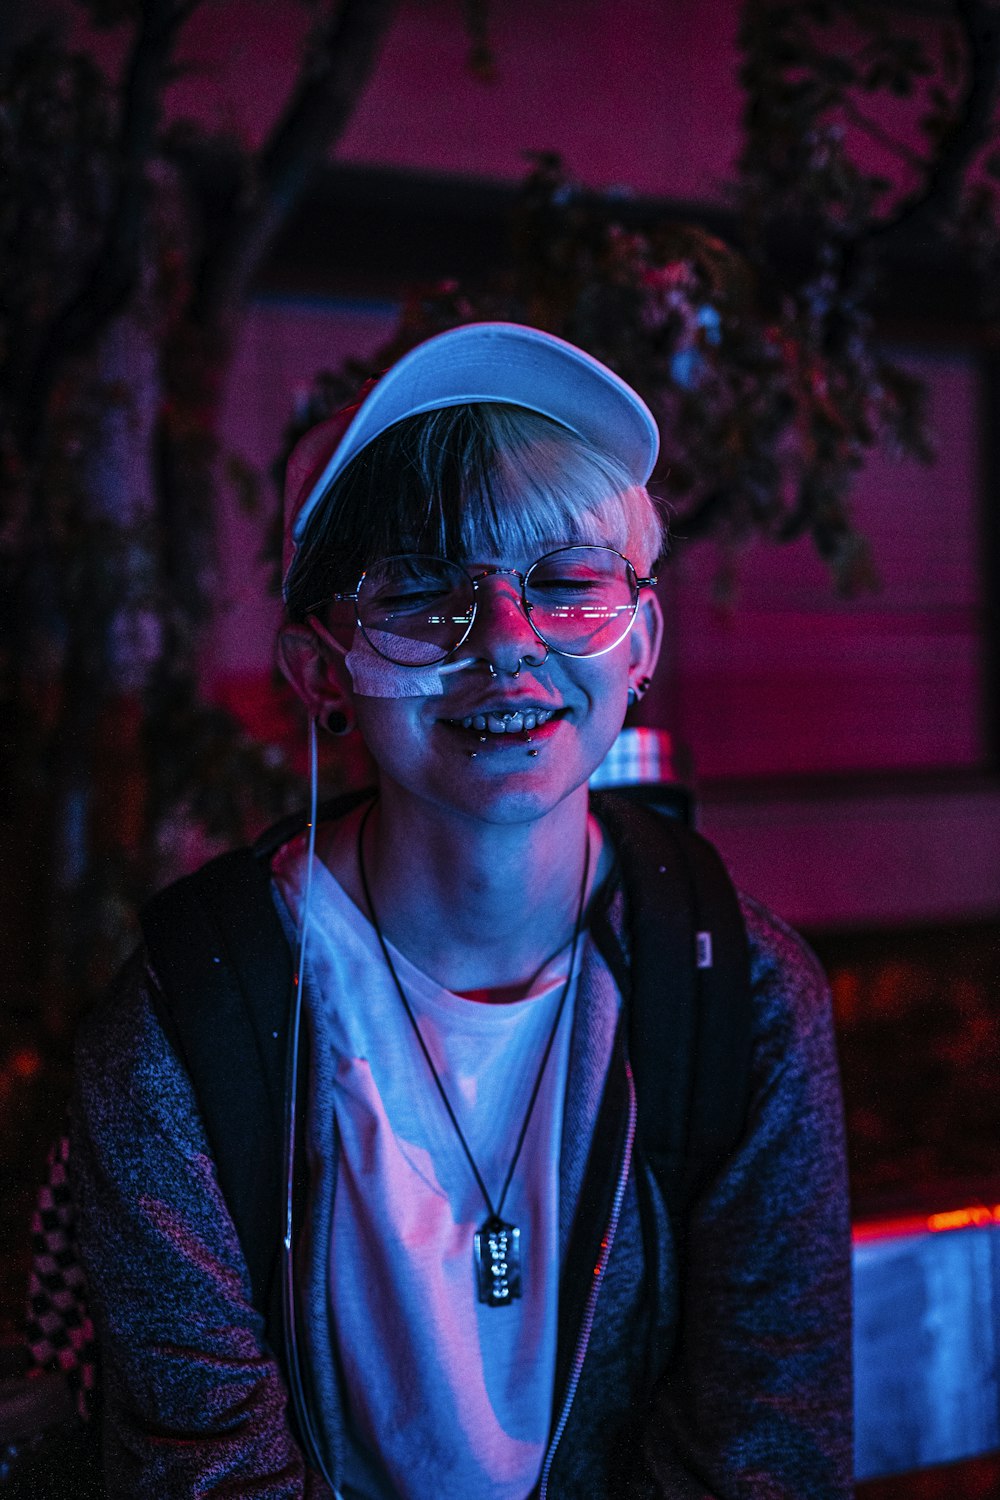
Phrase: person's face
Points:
(456, 750)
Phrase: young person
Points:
(488, 1294)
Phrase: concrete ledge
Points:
(926, 1340)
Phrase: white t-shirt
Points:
(447, 1397)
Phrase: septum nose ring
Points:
(516, 672)
(534, 661)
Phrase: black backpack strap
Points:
(690, 1019)
(225, 969)
(226, 975)
(271, 840)
(720, 1091)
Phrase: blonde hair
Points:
(484, 479)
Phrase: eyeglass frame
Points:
(493, 572)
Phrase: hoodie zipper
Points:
(587, 1324)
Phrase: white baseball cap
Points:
(504, 362)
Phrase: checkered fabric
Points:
(60, 1334)
(637, 755)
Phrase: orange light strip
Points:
(975, 1216)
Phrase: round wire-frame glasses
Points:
(569, 589)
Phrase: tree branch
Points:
(885, 138)
(939, 198)
(115, 268)
(320, 107)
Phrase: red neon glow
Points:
(974, 1216)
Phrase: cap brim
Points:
(505, 362)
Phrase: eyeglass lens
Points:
(415, 609)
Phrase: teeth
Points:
(508, 722)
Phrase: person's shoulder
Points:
(788, 983)
(122, 1022)
(125, 1068)
(775, 947)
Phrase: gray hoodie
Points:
(727, 1376)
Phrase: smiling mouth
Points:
(520, 721)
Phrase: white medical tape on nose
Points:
(375, 677)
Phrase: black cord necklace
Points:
(497, 1244)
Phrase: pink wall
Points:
(794, 681)
(638, 93)
(634, 92)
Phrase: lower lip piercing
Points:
(473, 753)
(533, 749)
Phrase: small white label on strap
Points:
(703, 949)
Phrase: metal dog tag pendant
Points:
(498, 1262)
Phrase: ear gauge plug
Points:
(638, 691)
(335, 722)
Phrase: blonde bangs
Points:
(547, 486)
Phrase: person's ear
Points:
(318, 676)
(645, 640)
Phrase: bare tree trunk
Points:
(94, 797)
(198, 352)
(125, 389)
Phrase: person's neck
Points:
(479, 907)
